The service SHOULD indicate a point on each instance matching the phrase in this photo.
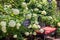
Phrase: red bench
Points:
(47, 30)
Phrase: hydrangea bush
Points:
(20, 17)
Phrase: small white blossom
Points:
(36, 9)
(44, 12)
(30, 33)
(4, 29)
(39, 5)
(34, 15)
(10, 5)
(3, 23)
(28, 16)
(54, 2)
(35, 26)
(39, 26)
(12, 23)
(18, 25)
(26, 8)
(50, 17)
(27, 33)
(34, 33)
(41, 30)
(15, 11)
(14, 36)
(29, 26)
(24, 5)
(58, 24)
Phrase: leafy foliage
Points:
(26, 12)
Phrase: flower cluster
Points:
(43, 12)
(30, 33)
(15, 11)
(11, 23)
(21, 17)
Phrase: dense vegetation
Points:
(21, 17)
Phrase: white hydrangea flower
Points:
(12, 23)
(34, 33)
(15, 11)
(26, 8)
(41, 30)
(3, 23)
(36, 26)
(24, 5)
(36, 9)
(14, 36)
(28, 16)
(30, 33)
(39, 5)
(39, 26)
(34, 15)
(44, 12)
(27, 33)
(4, 29)
(18, 25)
(58, 24)
(54, 2)
(50, 17)
(29, 26)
